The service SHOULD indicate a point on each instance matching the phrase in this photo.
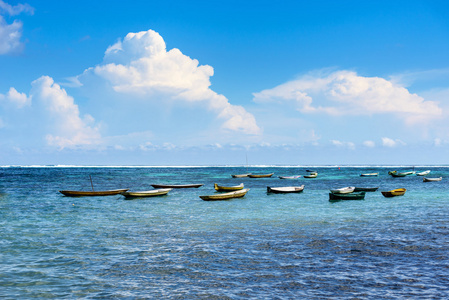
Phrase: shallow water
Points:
(260, 246)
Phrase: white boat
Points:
(345, 190)
(426, 179)
(423, 173)
(150, 193)
(285, 189)
(290, 177)
(369, 174)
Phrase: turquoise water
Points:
(260, 246)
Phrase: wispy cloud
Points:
(10, 34)
(388, 142)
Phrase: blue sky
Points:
(211, 82)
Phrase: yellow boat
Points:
(220, 188)
(394, 193)
(225, 196)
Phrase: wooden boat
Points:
(150, 193)
(92, 193)
(351, 196)
(176, 186)
(225, 196)
(394, 193)
(228, 188)
(364, 189)
(401, 174)
(426, 179)
(311, 175)
(240, 175)
(290, 177)
(345, 190)
(369, 174)
(285, 189)
(424, 173)
(260, 175)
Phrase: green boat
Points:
(351, 196)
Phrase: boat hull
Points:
(394, 193)
(220, 188)
(369, 175)
(432, 179)
(225, 196)
(176, 186)
(351, 196)
(260, 175)
(285, 190)
(92, 193)
(362, 189)
(240, 175)
(290, 177)
(144, 194)
(346, 190)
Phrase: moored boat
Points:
(92, 193)
(285, 189)
(149, 193)
(225, 196)
(240, 175)
(345, 190)
(260, 175)
(424, 173)
(176, 186)
(401, 174)
(351, 196)
(427, 179)
(394, 193)
(290, 177)
(365, 189)
(311, 175)
(369, 174)
(228, 188)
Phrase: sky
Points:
(224, 82)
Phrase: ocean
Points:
(262, 246)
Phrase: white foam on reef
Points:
(229, 166)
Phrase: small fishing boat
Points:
(369, 174)
(394, 193)
(427, 179)
(365, 189)
(401, 174)
(311, 175)
(424, 173)
(92, 193)
(150, 193)
(345, 190)
(176, 186)
(290, 177)
(260, 175)
(285, 189)
(228, 188)
(225, 196)
(351, 196)
(240, 175)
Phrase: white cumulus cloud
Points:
(369, 144)
(141, 65)
(68, 129)
(17, 99)
(346, 93)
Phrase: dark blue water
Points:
(260, 246)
